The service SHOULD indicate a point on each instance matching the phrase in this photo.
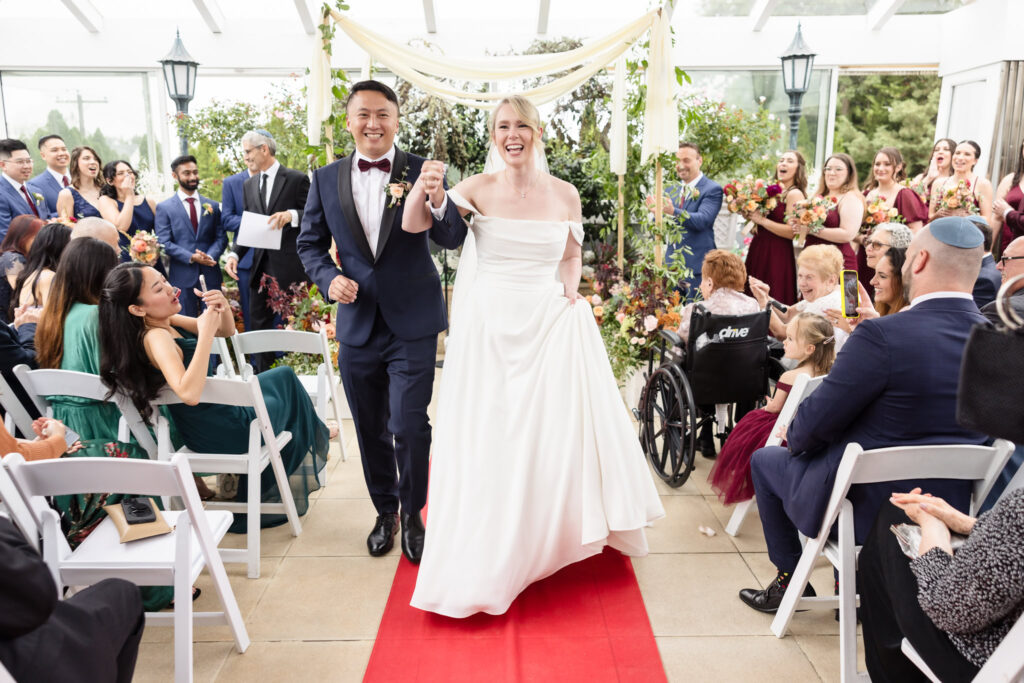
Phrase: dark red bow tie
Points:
(382, 164)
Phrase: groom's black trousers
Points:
(388, 382)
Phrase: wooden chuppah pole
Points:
(622, 225)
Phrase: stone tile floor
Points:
(314, 612)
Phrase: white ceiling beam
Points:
(429, 18)
(86, 13)
(760, 12)
(209, 10)
(882, 12)
(542, 16)
(306, 16)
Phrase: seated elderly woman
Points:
(721, 288)
(886, 236)
(954, 607)
(818, 270)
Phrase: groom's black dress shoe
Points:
(382, 538)
(769, 599)
(412, 536)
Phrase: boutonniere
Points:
(396, 191)
(38, 197)
(208, 209)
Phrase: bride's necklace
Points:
(522, 193)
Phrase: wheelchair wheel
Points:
(668, 424)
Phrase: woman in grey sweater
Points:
(954, 609)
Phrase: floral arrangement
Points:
(396, 191)
(749, 195)
(145, 248)
(304, 309)
(920, 188)
(876, 213)
(959, 197)
(65, 219)
(810, 213)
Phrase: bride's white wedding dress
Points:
(535, 464)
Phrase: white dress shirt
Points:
(14, 183)
(941, 295)
(368, 194)
(271, 174)
(59, 177)
(183, 197)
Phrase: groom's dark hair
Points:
(376, 86)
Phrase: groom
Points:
(390, 306)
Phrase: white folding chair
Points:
(324, 387)
(172, 559)
(978, 464)
(803, 387)
(1005, 664)
(225, 368)
(16, 416)
(252, 462)
(5, 676)
(39, 384)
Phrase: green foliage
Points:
(876, 111)
(732, 141)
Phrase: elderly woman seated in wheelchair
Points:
(719, 357)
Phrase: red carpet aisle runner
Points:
(585, 623)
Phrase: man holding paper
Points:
(280, 194)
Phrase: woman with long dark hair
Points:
(839, 181)
(770, 257)
(146, 345)
(21, 232)
(121, 204)
(940, 167)
(81, 198)
(965, 159)
(1007, 216)
(32, 287)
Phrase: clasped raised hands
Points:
(431, 181)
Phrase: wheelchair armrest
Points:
(671, 337)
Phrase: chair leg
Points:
(739, 513)
(252, 521)
(797, 583)
(182, 623)
(286, 493)
(847, 597)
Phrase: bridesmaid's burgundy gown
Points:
(1013, 225)
(910, 207)
(849, 255)
(771, 259)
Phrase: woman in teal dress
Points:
(67, 338)
(147, 345)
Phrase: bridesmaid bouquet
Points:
(810, 213)
(876, 213)
(750, 194)
(144, 248)
(920, 188)
(959, 197)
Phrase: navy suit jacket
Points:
(699, 228)
(232, 204)
(46, 185)
(174, 230)
(893, 384)
(12, 203)
(400, 279)
(988, 282)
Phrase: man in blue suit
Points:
(16, 198)
(54, 177)
(189, 228)
(232, 205)
(701, 203)
(989, 278)
(390, 306)
(893, 384)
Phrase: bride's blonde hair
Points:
(524, 109)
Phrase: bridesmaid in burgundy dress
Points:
(839, 181)
(1008, 208)
(888, 171)
(770, 257)
(939, 167)
(965, 157)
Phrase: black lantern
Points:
(797, 62)
(180, 77)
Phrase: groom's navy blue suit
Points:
(388, 335)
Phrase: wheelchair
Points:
(727, 360)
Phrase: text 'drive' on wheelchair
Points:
(727, 360)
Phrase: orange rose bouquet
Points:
(959, 197)
(144, 248)
(810, 213)
(876, 213)
(751, 194)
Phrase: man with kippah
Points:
(893, 384)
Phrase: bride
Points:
(536, 464)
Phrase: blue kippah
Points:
(264, 133)
(978, 220)
(956, 231)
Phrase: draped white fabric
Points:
(424, 71)
(617, 134)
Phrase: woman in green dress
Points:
(67, 338)
(147, 345)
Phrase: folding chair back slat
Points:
(17, 415)
(264, 341)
